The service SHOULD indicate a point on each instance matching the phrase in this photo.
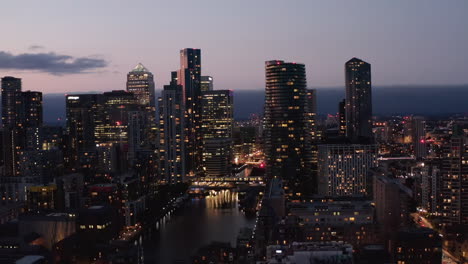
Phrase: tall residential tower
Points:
(358, 100)
(189, 77)
(171, 132)
(286, 138)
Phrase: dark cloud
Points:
(51, 62)
(36, 47)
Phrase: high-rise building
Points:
(171, 132)
(31, 109)
(343, 169)
(11, 99)
(206, 83)
(113, 125)
(217, 126)
(31, 116)
(286, 140)
(311, 114)
(454, 176)
(22, 120)
(100, 125)
(217, 114)
(83, 113)
(419, 137)
(189, 78)
(140, 82)
(314, 135)
(11, 111)
(358, 100)
(342, 118)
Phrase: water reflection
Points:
(222, 199)
(201, 221)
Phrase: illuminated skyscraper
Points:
(171, 132)
(11, 110)
(22, 120)
(189, 77)
(31, 110)
(84, 112)
(419, 137)
(11, 100)
(31, 119)
(140, 82)
(206, 83)
(98, 124)
(287, 144)
(113, 125)
(217, 125)
(454, 175)
(311, 113)
(358, 100)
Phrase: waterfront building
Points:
(310, 252)
(286, 139)
(171, 132)
(217, 128)
(189, 78)
(334, 219)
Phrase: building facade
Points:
(286, 139)
(217, 127)
(11, 99)
(172, 132)
(140, 82)
(358, 100)
(344, 169)
(188, 77)
(206, 83)
(454, 176)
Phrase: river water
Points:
(197, 224)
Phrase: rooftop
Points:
(140, 68)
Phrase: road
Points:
(447, 258)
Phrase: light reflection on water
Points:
(222, 199)
(215, 218)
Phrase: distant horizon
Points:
(374, 87)
(428, 100)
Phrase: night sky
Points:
(89, 45)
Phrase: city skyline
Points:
(210, 132)
(325, 42)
